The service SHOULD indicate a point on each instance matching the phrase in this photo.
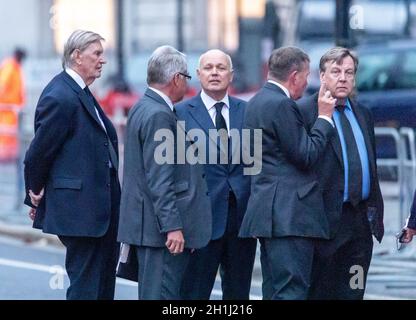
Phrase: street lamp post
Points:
(250, 23)
(342, 30)
(120, 38)
(179, 25)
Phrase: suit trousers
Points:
(91, 262)
(235, 258)
(160, 273)
(341, 265)
(286, 264)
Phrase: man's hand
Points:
(35, 198)
(32, 213)
(175, 242)
(408, 236)
(326, 103)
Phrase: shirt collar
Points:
(164, 97)
(77, 78)
(281, 87)
(348, 105)
(209, 102)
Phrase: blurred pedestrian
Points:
(73, 161)
(12, 88)
(409, 230)
(165, 209)
(229, 189)
(12, 100)
(347, 174)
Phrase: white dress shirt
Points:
(210, 105)
(77, 78)
(164, 97)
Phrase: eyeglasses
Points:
(187, 76)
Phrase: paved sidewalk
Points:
(392, 274)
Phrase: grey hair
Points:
(164, 63)
(81, 40)
(337, 55)
(230, 61)
(285, 60)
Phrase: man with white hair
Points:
(71, 171)
(165, 209)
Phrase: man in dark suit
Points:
(165, 209)
(71, 171)
(348, 179)
(285, 208)
(213, 109)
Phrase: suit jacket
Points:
(220, 178)
(69, 157)
(330, 169)
(158, 198)
(285, 196)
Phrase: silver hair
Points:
(81, 40)
(164, 63)
(230, 62)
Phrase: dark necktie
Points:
(221, 124)
(355, 175)
(219, 119)
(111, 151)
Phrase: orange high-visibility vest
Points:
(11, 83)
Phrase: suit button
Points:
(207, 193)
(106, 144)
(108, 185)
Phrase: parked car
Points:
(386, 82)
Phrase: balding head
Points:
(215, 73)
(215, 53)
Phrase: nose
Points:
(103, 60)
(342, 76)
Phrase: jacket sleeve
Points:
(52, 126)
(158, 139)
(301, 149)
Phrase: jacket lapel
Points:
(200, 114)
(366, 134)
(87, 104)
(236, 122)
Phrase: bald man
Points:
(229, 190)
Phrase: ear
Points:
(232, 76)
(76, 56)
(293, 77)
(176, 79)
(321, 76)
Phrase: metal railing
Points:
(405, 164)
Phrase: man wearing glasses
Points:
(347, 174)
(165, 209)
(213, 109)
